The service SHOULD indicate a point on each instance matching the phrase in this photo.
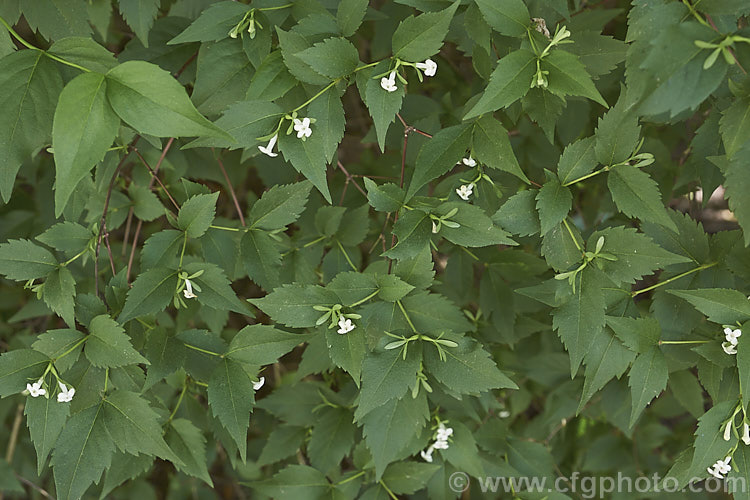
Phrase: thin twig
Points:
(28, 483)
(154, 176)
(231, 188)
(184, 66)
(350, 178)
(140, 222)
(102, 222)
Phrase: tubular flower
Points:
(465, 191)
(268, 150)
(36, 388)
(389, 83)
(188, 291)
(66, 394)
(429, 67)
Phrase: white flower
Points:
(257, 385)
(36, 388)
(268, 149)
(728, 431)
(429, 67)
(729, 348)
(720, 468)
(389, 83)
(441, 445)
(469, 162)
(434, 228)
(345, 325)
(465, 191)
(746, 434)
(302, 127)
(188, 291)
(504, 414)
(65, 395)
(732, 336)
(427, 455)
(443, 432)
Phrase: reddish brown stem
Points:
(154, 176)
(231, 188)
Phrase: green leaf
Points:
(743, 367)
(491, 146)
(31, 85)
(616, 136)
(606, 358)
(84, 52)
(22, 260)
(333, 57)
(224, 72)
(151, 101)
(246, 121)
(475, 228)
(381, 104)
(262, 345)
(165, 354)
(568, 76)
(709, 445)
(385, 197)
(349, 15)
(271, 81)
(417, 38)
(292, 44)
(405, 478)
(347, 351)
(59, 292)
(55, 343)
(57, 18)
(559, 247)
(412, 230)
(580, 319)
(637, 255)
(737, 183)
(508, 83)
(578, 159)
(19, 366)
(328, 110)
(45, 418)
(637, 195)
(417, 271)
(279, 206)
(545, 109)
(83, 451)
(300, 482)
(507, 17)
(735, 125)
(134, 426)
(518, 215)
(388, 428)
(197, 214)
(66, 237)
(292, 305)
(188, 443)
(331, 438)
(213, 24)
(283, 441)
(261, 257)
(216, 291)
(638, 334)
(308, 157)
(161, 249)
(600, 54)
(146, 204)
(467, 369)
(109, 346)
(392, 288)
(386, 375)
(438, 155)
(152, 291)
(230, 396)
(140, 15)
(647, 378)
(553, 201)
(720, 305)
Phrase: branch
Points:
(231, 188)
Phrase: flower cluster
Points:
(732, 336)
(441, 442)
(720, 469)
(388, 83)
(343, 320)
(37, 389)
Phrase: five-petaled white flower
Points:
(469, 162)
(728, 431)
(345, 325)
(269, 149)
(257, 385)
(465, 191)
(36, 388)
(66, 394)
(302, 127)
(720, 468)
(188, 291)
(389, 83)
(429, 67)
(746, 433)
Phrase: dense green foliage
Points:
(348, 249)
